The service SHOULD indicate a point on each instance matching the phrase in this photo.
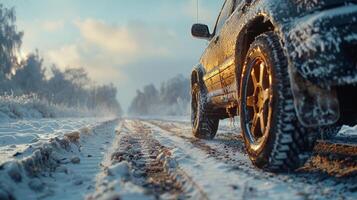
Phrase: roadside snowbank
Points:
(37, 171)
(17, 135)
(348, 131)
(21, 178)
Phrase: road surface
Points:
(160, 159)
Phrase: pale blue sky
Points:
(128, 42)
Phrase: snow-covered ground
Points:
(18, 135)
(59, 159)
(155, 159)
(31, 107)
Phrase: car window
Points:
(224, 15)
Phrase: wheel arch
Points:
(194, 77)
(197, 75)
(260, 24)
(301, 88)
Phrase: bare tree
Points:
(30, 76)
(71, 87)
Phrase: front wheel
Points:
(204, 126)
(273, 136)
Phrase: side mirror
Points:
(200, 31)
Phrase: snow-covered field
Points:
(18, 135)
(97, 158)
(31, 107)
(54, 158)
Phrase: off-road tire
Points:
(285, 145)
(204, 126)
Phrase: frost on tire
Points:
(204, 126)
(267, 105)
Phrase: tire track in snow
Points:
(148, 168)
(226, 148)
(144, 159)
(225, 154)
(161, 154)
(332, 157)
(218, 179)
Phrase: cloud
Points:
(100, 66)
(130, 42)
(105, 49)
(52, 26)
(116, 39)
(65, 56)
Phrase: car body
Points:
(318, 38)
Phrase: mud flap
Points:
(314, 105)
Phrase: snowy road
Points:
(156, 159)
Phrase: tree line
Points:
(172, 98)
(70, 87)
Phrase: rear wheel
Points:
(274, 138)
(204, 126)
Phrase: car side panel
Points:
(228, 45)
(220, 61)
(209, 61)
(220, 78)
(243, 15)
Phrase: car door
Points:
(214, 58)
(227, 44)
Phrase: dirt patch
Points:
(328, 147)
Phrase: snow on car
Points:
(287, 68)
